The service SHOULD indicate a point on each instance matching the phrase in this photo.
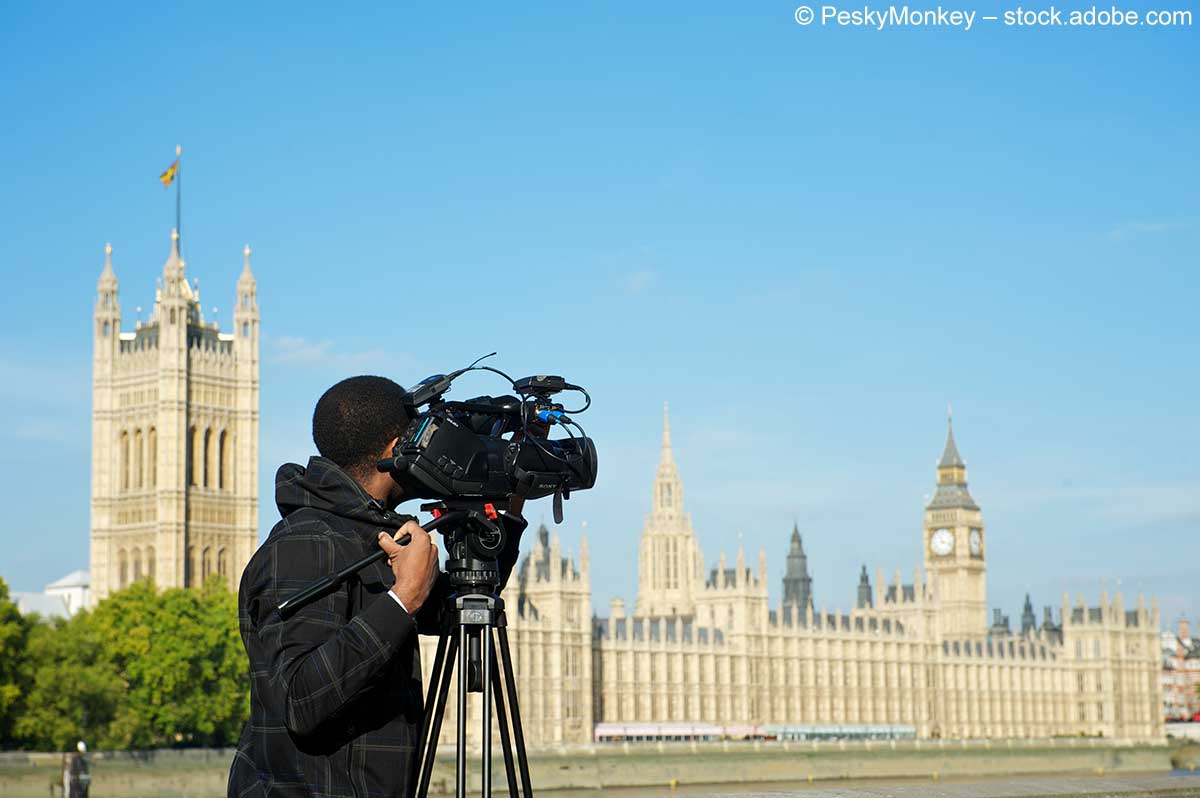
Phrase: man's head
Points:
(355, 424)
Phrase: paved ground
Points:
(1075, 786)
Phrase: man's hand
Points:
(415, 566)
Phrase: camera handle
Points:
(327, 584)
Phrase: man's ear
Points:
(387, 450)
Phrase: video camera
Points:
(457, 451)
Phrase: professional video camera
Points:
(457, 450)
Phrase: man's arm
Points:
(317, 661)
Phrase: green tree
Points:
(143, 670)
(75, 691)
(14, 635)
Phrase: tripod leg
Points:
(460, 775)
(511, 682)
(436, 727)
(434, 678)
(502, 721)
(485, 664)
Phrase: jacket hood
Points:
(326, 487)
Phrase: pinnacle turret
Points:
(246, 279)
(864, 589)
(108, 278)
(797, 584)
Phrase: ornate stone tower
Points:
(955, 547)
(797, 584)
(174, 436)
(670, 565)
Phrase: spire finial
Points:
(666, 427)
(174, 234)
(178, 150)
(666, 458)
(107, 251)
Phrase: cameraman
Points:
(335, 691)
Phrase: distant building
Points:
(1181, 673)
(60, 599)
(174, 436)
(703, 655)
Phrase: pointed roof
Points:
(247, 276)
(80, 578)
(950, 456)
(863, 579)
(952, 487)
(108, 278)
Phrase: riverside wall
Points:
(201, 773)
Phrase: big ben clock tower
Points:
(955, 547)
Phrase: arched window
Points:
(138, 459)
(206, 564)
(190, 464)
(122, 569)
(223, 461)
(222, 564)
(137, 564)
(124, 460)
(152, 457)
(150, 563)
(209, 457)
(197, 456)
(189, 576)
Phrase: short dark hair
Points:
(356, 418)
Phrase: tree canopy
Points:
(144, 669)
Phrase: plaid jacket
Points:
(335, 691)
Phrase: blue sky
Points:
(807, 240)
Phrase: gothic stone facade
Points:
(707, 649)
(174, 436)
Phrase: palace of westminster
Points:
(702, 653)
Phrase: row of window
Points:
(139, 458)
(136, 564)
(209, 458)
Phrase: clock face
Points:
(975, 540)
(942, 542)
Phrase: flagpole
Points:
(178, 192)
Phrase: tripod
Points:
(472, 613)
(467, 638)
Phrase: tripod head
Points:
(475, 536)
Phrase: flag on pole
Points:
(168, 176)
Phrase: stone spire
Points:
(864, 589)
(669, 565)
(108, 309)
(246, 280)
(797, 585)
(668, 488)
(108, 278)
